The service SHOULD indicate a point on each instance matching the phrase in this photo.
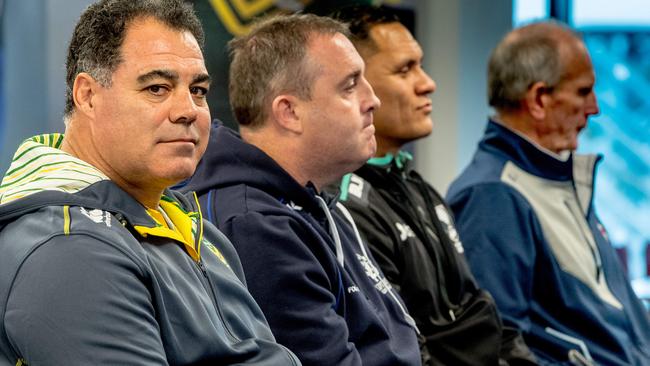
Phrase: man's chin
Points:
(372, 151)
(179, 175)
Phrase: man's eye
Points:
(584, 91)
(157, 89)
(199, 91)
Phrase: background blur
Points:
(457, 37)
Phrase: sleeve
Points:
(79, 301)
(497, 226)
(501, 235)
(296, 292)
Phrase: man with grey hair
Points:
(101, 264)
(525, 205)
(305, 112)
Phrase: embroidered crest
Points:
(381, 284)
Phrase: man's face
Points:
(569, 105)
(151, 125)
(395, 73)
(338, 117)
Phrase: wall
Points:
(457, 38)
(36, 35)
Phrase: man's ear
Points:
(84, 89)
(537, 100)
(284, 110)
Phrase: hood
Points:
(41, 175)
(40, 165)
(230, 161)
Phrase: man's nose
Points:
(184, 108)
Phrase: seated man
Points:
(404, 220)
(305, 113)
(100, 264)
(524, 208)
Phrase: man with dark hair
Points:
(525, 205)
(305, 113)
(101, 264)
(404, 220)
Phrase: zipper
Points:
(584, 351)
(213, 298)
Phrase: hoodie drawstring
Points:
(333, 231)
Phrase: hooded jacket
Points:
(318, 286)
(559, 278)
(411, 233)
(87, 277)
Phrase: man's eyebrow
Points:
(409, 61)
(202, 78)
(158, 74)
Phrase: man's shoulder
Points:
(485, 170)
(74, 230)
(253, 213)
(65, 222)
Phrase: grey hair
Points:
(525, 56)
(95, 47)
(272, 59)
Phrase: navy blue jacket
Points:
(533, 240)
(329, 306)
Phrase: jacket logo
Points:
(602, 230)
(381, 284)
(444, 217)
(352, 289)
(356, 186)
(97, 216)
(405, 231)
(293, 206)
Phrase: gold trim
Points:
(66, 220)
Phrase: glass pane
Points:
(607, 13)
(618, 37)
(525, 11)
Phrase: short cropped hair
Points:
(361, 19)
(95, 47)
(271, 60)
(525, 56)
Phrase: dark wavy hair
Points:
(99, 34)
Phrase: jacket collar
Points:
(499, 139)
(401, 161)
